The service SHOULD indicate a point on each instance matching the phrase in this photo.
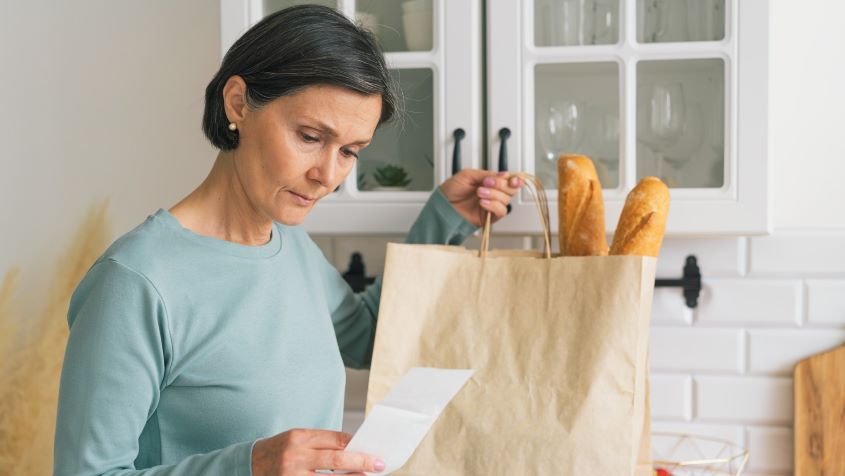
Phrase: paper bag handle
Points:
(539, 192)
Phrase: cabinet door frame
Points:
(457, 79)
(742, 206)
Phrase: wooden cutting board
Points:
(820, 414)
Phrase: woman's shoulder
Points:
(144, 247)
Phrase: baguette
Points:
(643, 220)
(580, 208)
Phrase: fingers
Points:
(498, 209)
(345, 461)
(502, 183)
(320, 439)
(496, 193)
(323, 449)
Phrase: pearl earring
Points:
(233, 126)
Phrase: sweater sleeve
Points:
(354, 315)
(117, 358)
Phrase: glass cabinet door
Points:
(576, 22)
(662, 21)
(680, 122)
(576, 111)
(399, 25)
(401, 156)
(644, 88)
(271, 6)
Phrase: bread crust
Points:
(580, 208)
(642, 223)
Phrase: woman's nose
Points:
(325, 170)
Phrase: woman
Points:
(212, 338)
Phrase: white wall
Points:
(100, 99)
(807, 74)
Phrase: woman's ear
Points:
(234, 99)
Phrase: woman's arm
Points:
(117, 358)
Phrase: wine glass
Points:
(706, 20)
(569, 22)
(662, 118)
(692, 136)
(665, 20)
(560, 128)
(606, 19)
(604, 141)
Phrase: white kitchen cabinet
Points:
(442, 89)
(674, 88)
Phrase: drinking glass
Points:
(663, 117)
(604, 144)
(706, 20)
(606, 19)
(665, 21)
(568, 22)
(689, 142)
(562, 128)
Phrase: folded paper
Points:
(395, 426)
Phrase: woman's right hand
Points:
(298, 452)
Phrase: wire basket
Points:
(679, 454)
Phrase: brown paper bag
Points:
(559, 345)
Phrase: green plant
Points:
(391, 176)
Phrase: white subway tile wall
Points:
(769, 448)
(722, 370)
(671, 397)
(802, 253)
(750, 301)
(825, 303)
(704, 350)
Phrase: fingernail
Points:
(484, 192)
(485, 202)
(379, 465)
(514, 182)
(489, 181)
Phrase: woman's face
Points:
(297, 149)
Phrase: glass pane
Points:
(399, 26)
(576, 110)
(401, 156)
(576, 22)
(681, 122)
(271, 6)
(660, 21)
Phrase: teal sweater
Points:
(184, 349)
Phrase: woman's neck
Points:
(220, 208)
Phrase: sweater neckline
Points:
(267, 250)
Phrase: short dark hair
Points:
(291, 49)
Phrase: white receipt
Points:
(396, 425)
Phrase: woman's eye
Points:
(308, 138)
(349, 153)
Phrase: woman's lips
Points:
(301, 199)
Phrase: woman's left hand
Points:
(474, 192)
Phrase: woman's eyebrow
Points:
(330, 131)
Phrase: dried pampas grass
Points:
(32, 355)
(7, 325)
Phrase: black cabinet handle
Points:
(504, 134)
(456, 155)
